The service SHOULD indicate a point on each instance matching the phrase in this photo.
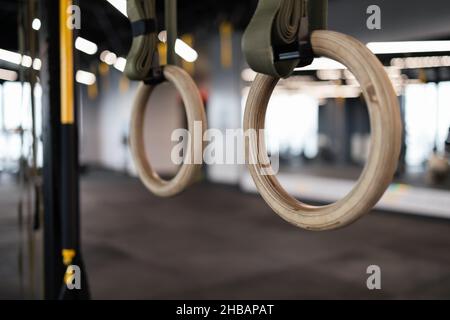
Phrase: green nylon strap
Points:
(276, 24)
(143, 50)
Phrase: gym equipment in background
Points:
(287, 34)
(447, 143)
(437, 164)
(143, 65)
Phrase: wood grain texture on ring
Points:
(386, 128)
(195, 112)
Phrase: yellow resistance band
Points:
(66, 59)
(276, 24)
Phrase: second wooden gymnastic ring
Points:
(386, 130)
(193, 156)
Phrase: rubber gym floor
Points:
(215, 242)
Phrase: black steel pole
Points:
(60, 182)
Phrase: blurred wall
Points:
(224, 106)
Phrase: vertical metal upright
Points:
(170, 19)
(51, 128)
(60, 134)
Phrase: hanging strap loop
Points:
(143, 27)
(277, 38)
(385, 123)
(143, 59)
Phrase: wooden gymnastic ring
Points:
(195, 112)
(386, 130)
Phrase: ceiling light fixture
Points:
(408, 47)
(8, 75)
(86, 46)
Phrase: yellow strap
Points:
(66, 65)
(226, 45)
(68, 275)
(143, 50)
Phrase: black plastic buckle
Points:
(143, 27)
(156, 73)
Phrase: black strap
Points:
(143, 54)
(447, 143)
(301, 49)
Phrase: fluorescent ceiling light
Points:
(85, 46)
(383, 48)
(8, 75)
(120, 5)
(85, 77)
(11, 57)
(120, 64)
(27, 61)
(248, 75)
(331, 74)
(36, 24)
(421, 62)
(18, 59)
(408, 47)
